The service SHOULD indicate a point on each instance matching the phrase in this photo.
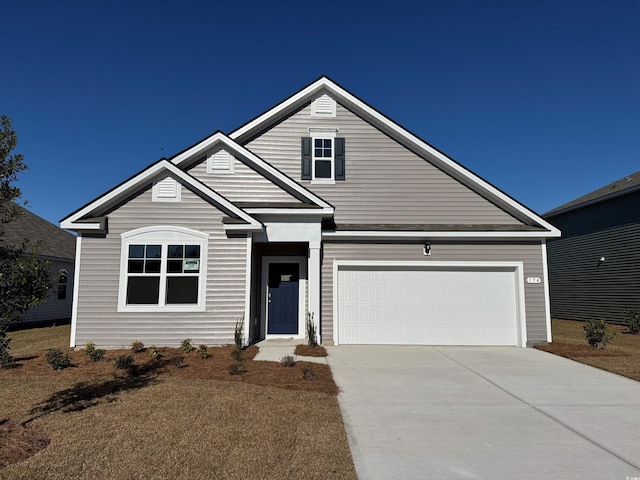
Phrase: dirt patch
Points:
(17, 442)
(572, 350)
(309, 351)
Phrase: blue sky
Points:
(540, 98)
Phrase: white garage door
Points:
(418, 306)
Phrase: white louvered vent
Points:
(323, 106)
(220, 162)
(166, 190)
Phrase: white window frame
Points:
(323, 134)
(163, 236)
(61, 272)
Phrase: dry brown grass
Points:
(621, 356)
(160, 421)
(309, 351)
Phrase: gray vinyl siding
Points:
(244, 185)
(98, 319)
(581, 287)
(385, 182)
(53, 309)
(530, 253)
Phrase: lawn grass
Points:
(621, 356)
(161, 421)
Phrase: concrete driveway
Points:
(484, 413)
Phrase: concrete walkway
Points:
(274, 350)
(484, 413)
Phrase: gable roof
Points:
(253, 128)
(623, 186)
(84, 218)
(53, 240)
(219, 139)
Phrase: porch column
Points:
(313, 273)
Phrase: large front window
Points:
(164, 270)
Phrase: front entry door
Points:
(283, 300)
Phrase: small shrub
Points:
(203, 351)
(308, 374)
(236, 354)
(153, 352)
(633, 321)
(89, 347)
(6, 359)
(123, 362)
(238, 336)
(186, 346)
(56, 359)
(235, 369)
(312, 335)
(287, 361)
(597, 333)
(97, 354)
(178, 362)
(137, 346)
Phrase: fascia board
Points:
(257, 162)
(390, 235)
(397, 131)
(290, 211)
(130, 186)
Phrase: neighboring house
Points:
(594, 269)
(54, 244)
(321, 205)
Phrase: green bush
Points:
(178, 362)
(89, 347)
(137, 346)
(312, 335)
(633, 321)
(236, 354)
(123, 362)
(153, 352)
(203, 351)
(97, 354)
(288, 361)
(597, 333)
(308, 373)
(6, 359)
(186, 346)
(56, 359)
(235, 369)
(238, 336)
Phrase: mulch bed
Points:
(309, 351)
(577, 351)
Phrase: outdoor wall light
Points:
(427, 249)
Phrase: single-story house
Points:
(594, 268)
(56, 245)
(321, 208)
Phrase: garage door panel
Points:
(420, 306)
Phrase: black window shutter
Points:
(339, 158)
(306, 158)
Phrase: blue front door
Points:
(283, 299)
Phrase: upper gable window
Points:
(323, 158)
(323, 106)
(166, 190)
(220, 162)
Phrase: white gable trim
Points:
(131, 185)
(254, 162)
(391, 128)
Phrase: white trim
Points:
(388, 234)
(518, 269)
(256, 163)
(76, 290)
(391, 127)
(547, 298)
(163, 235)
(71, 222)
(247, 291)
(211, 170)
(316, 107)
(156, 197)
(290, 211)
(264, 289)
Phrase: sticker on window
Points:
(191, 265)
